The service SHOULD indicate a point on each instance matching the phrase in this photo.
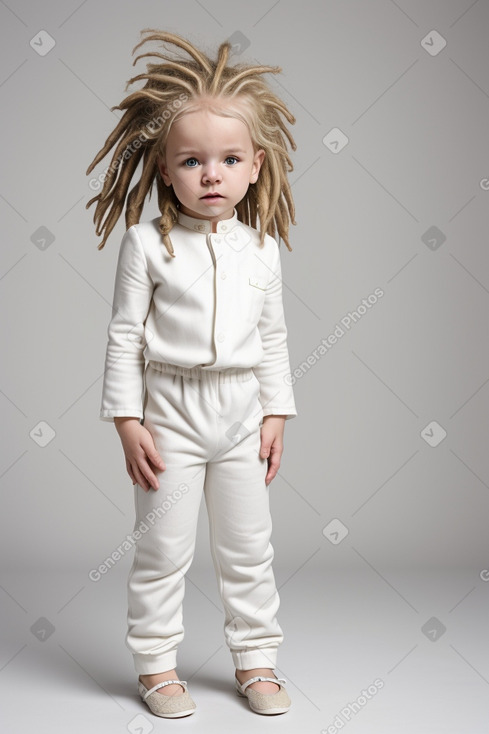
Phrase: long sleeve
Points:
(273, 372)
(123, 385)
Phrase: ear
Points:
(257, 163)
(163, 170)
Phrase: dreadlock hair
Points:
(174, 87)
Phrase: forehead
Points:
(205, 128)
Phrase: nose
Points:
(211, 173)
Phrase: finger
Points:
(130, 472)
(157, 462)
(156, 459)
(270, 473)
(145, 470)
(264, 450)
(140, 478)
(273, 465)
(152, 453)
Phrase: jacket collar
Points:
(205, 226)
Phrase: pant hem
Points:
(151, 664)
(257, 658)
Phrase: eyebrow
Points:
(227, 152)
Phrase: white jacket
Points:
(217, 304)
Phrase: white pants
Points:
(206, 427)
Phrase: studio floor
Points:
(396, 653)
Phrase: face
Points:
(210, 162)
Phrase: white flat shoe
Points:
(265, 703)
(170, 707)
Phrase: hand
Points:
(142, 458)
(272, 443)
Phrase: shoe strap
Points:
(162, 684)
(244, 686)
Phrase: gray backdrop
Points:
(391, 184)
(386, 466)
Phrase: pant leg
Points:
(166, 520)
(167, 525)
(240, 527)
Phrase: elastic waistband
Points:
(230, 374)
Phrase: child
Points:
(197, 361)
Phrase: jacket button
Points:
(221, 337)
(223, 276)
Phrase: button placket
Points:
(221, 274)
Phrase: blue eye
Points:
(232, 158)
(189, 164)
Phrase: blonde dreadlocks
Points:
(172, 87)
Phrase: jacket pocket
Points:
(258, 281)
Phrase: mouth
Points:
(213, 195)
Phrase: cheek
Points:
(185, 178)
(243, 180)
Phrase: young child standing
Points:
(197, 361)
